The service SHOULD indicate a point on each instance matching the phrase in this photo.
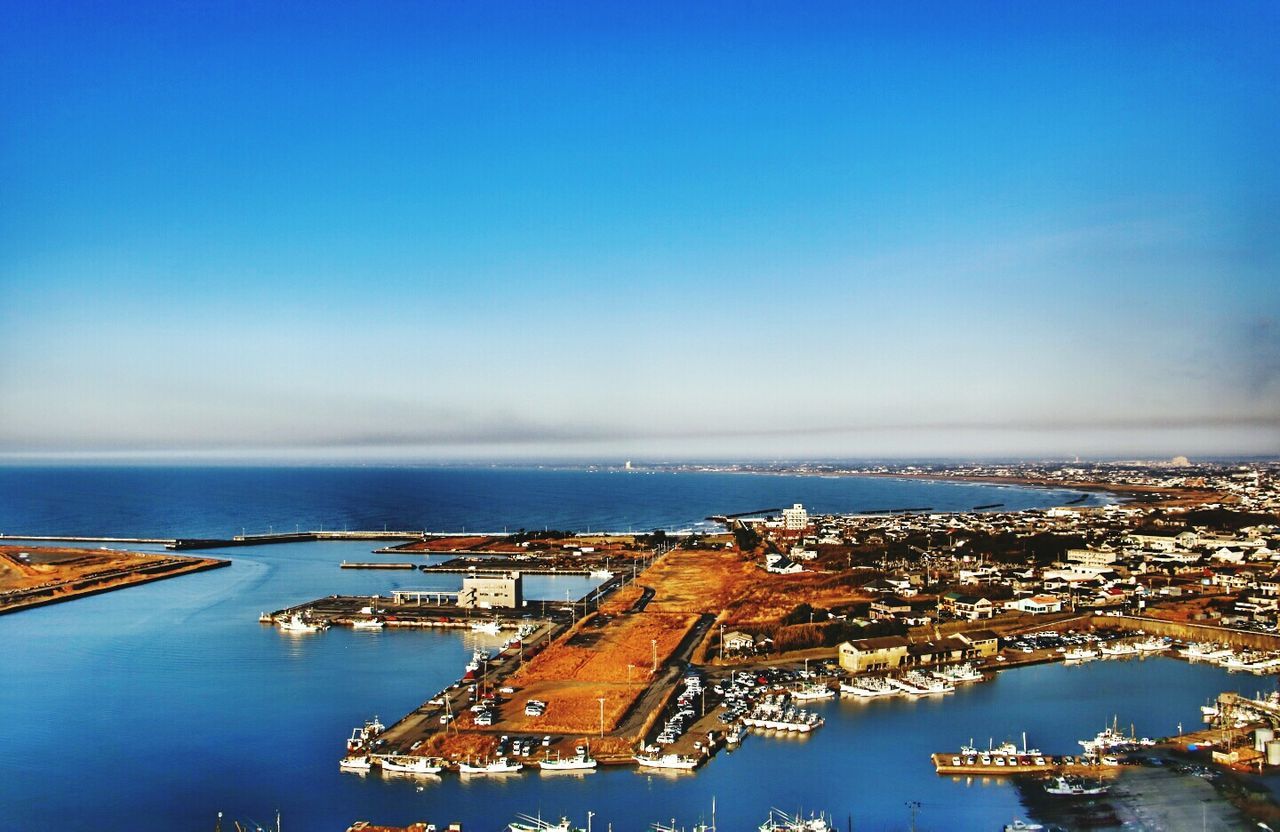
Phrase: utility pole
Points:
(654, 642)
(601, 701)
(913, 806)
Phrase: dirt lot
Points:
(32, 576)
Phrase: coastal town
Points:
(697, 639)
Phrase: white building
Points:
(1091, 557)
(795, 519)
(486, 590)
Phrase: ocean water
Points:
(222, 501)
(155, 707)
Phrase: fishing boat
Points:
(678, 762)
(812, 692)
(366, 623)
(918, 684)
(868, 687)
(959, 673)
(361, 762)
(1080, 654)
(581, 761)
(780, 821)
(601, 573)
(530, 823)
(409, 764)
(360, 737)
(297, 624)
(1022, 826)
(736, 735)
(1154, 644)
(1072, 787)
(1111, 737)
(490, 628)
(1118, 650)
(499, 766)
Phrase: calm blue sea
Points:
(155, 707)
(221, 501)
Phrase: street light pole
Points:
(654, 642)
(914, 806)
(601, 701)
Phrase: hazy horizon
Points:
(716, 230)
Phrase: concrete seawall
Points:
(1188, 631)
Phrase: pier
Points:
(353, 564)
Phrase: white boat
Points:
(499, 766)
(1069, 787)
(582, 761)
(1080, 654)
(959, 673)
(297, 624)
(668, 761)
(409, 764)
(1022, 826)
(812, 692)
(601, 573)
(1111, 738)
(1116, 650)
(491, 628)
(366, 623)
(735, 735)
(1199, 651)
(529, 823)
(1154, 644)
(360, 762)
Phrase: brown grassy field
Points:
(54, 565)
(609, 657)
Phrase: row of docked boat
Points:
(776, 712)
(1006, 755)
(1117, 650)
(1251, 661)
(420, 765)
(913, 682)
(777, 821)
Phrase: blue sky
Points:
(477, 229)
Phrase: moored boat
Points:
(499, 766)
(1072, 787)
(780, 821)
(868, 687)
(582, 761)
(361, 762)
(678, 762)
(410, 764)
(530, 823)
(296, 623)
